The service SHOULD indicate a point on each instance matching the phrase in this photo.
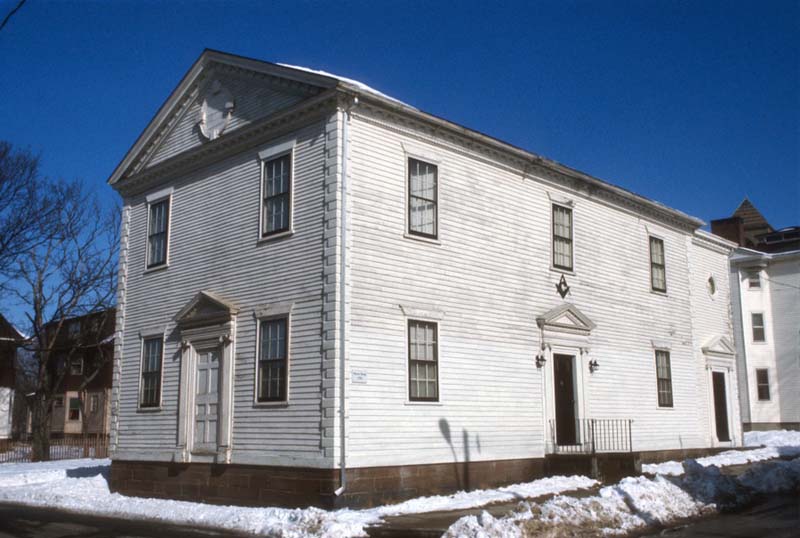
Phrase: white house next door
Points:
(206, 400)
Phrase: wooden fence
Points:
(68, 448)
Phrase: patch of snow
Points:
(353, 82)
(772, 438)
(636, 503)
(81, 486)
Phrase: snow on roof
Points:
(360, 85)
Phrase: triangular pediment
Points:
(220, 94)
(206, 308)
(719, 345)
(566, 317)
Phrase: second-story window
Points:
(276, 205)
(658, 265)
(423, 197)
(157, 233)
(562, 237)
(758, 327)
(753, 279)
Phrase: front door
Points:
(720, 406)
(206, 400)
(563, 366)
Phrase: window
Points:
(562, 237)
(658, 267)
(712, 286)
(58, 401)
(74, 329)
(273, 360)
(423, 362)
(423, 196)
(762, 383)
(276, 205)
(76, 366)
(74, 409)
(753, 279)
(758, 327)
(152, 351)
(664, 378)
(157, 233)
(94, 403)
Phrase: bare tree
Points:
(66, 270)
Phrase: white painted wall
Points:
(6, 411)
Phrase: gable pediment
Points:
(219, 95)
(205, 308)
(566, 318)
(719, 345)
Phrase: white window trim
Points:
(273, 152)
(769, 385)
(407, 362)
(150, 336)
(69, 408)
(763, 328)
(565, 205)
(668, 351)
(266, 313)
(426, 156)
(154, 198)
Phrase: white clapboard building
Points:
(330, 297)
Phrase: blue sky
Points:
(695, 104)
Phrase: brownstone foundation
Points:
(256, 485)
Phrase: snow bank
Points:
(779, 443)
(636, 503)
(81, 486)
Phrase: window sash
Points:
(664, 379)
(74, 409)
(658, 265)
(762, 383)
(759, 334)
(157, 234)
(753, 279)
(276, 204)
(152, 352)
(562, 237)
(273, 360)
(76, 366)
(423, 361)
(423, 194)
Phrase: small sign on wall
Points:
(358, 377)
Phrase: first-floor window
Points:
(74, 409)
(152, 352)
(664, 378)
(423, 361)
(762, 381)
(273, 360)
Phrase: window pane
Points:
(151, 372)
(658, 273)
(422, 199)
(758, 327)
(562, 237)
(157, 233)
(664, 379)
(423, 383)
(272, 367)
(276, 203)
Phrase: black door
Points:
(721, 406)
(565, 399)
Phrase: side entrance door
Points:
(563, 366)
(720, 406)
(206, 401)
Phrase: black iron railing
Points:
(592, 435)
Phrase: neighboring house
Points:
(10, 340)
(84, 354)
(765, 285)
(490, 310)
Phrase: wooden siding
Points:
(490, 276)
(252, 101)
(214, 246)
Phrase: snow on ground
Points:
(636, 503)
(81, 486)
(777, 443)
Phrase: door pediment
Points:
(719, 346)
(205, 308)
(566, 318)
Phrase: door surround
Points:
(207, 321)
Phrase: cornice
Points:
(460, 140)
(231, 143)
